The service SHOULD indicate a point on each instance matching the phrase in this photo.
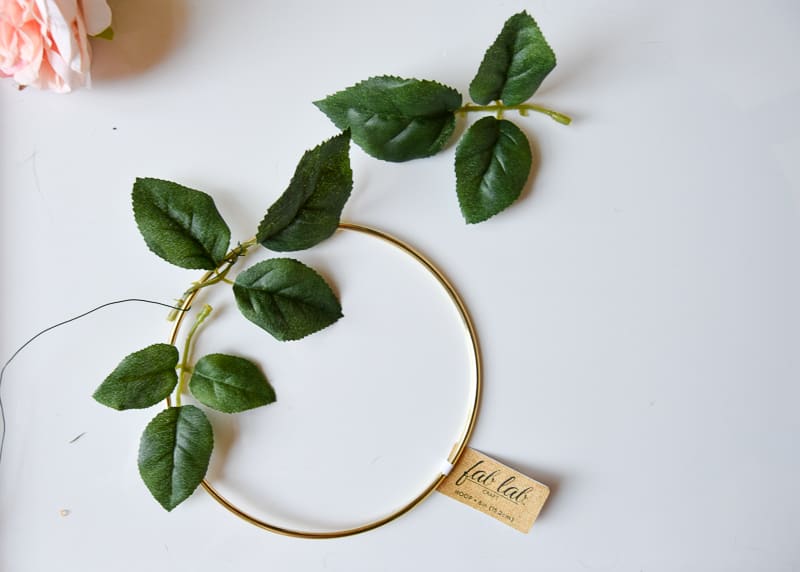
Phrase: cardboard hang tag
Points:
(495, 489)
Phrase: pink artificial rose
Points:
(45, 43)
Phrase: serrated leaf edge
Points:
(507, 79)
(340, 316)
(318, 103)
(136, 213)
(345, 133)
(458, 196)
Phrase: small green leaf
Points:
(141, 380)
(493, 160)
(181, 225)
(308, 211)
(174, 453)
(107, 34)
(286, 298)
(514, 65)
(230, 384)
(395, 119)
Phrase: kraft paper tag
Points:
(494, 489)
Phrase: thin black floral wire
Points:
(54, 326)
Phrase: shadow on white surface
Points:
(553, 480)
(145, 32)
(226, 430)
(536, 161)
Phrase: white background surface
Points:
(638, 308)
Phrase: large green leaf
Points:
(393, 118)
(179, 224)
(142, 379)
(493, 160)
(308, 211)
(174, 453)
(514, 65)
(230, 384)
(286, 298)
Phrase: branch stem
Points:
(214, 276)
(218, 274)
(187, 348)
(523, 109)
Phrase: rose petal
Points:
(60, 14)
(96, 15)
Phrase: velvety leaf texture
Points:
(395, 119)
(174, 453)
(142, 379)
(514, 65)
(308, 211)
(230, 384)
(493, 160)
(179, 224)
(286, 298)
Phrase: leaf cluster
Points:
(283, 296)
(398, 119)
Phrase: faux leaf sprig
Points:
(391, 118)
(398, 119)
(282, 296)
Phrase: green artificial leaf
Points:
(230, 384)
(107, 34)
(308, 211)
(181, 225)
(141, 380)
(493, 160)
(395, 119)
(514, 65)
(174, 453)
(286, 298)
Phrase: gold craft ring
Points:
(455, 452)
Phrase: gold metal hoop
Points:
(455, 452)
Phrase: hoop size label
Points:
(495, 489)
